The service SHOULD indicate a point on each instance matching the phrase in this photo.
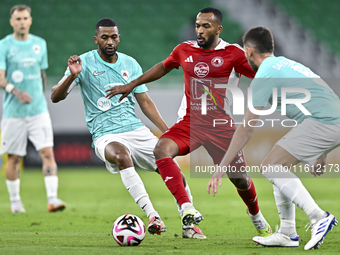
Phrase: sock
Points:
(172, 178)
(187, 189)
(249, 197)
(258, 220)
(51, 185)
(13, 188)
(292, 188)
(286, 211)
(135, 186)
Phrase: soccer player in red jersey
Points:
(206, 62)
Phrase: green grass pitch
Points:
(95, 198)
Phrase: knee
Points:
(158, 151)
(240, 183)
(165, 148)
(47, 154)
(122, 160)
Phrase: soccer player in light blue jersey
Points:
(23, 60)
(316, 109)
(119, 137)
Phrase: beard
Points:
(252, 65)
(105, 51)
(206, 43)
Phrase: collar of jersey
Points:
(21, 42)
(106, 63)
(220, 46)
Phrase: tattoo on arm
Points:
(43, 77)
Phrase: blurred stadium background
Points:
(304, 30)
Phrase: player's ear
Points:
(219, 29)
(95, 39)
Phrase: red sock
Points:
(249, 197)
(173, 179)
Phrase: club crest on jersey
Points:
(201, 69)
(125, 74)
(36, 48)
(217, 61)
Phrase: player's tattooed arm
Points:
(43, 77)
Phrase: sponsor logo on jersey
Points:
(14, 52)
(201, 69)
(217, 61)
(95, 73)
(104, 103)
(125, 74)
(189, 60)
(17, 76)
(36, 48)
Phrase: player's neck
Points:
(213, 45)
(20, 36)
(262, 57)
(108, 59)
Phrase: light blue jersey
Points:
(280, 72)
(23, 62)
(107, 116)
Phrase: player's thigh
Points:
(142, 144)
(279, 156)
(40, 131)
(14, 134)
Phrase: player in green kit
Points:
(119, 137)
(312, 104)
(23, 60)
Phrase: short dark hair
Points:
(260, 38)
(217, 13)
(20, 8)
(106, 23)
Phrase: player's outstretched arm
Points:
(59, 91)
(242, 135)
(150, 110)
(154, 73)
(22, 96)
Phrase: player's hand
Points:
(74, 64)
(22, 96)
(213, 185)
(125, 90)
(319, 166)
(217, 178)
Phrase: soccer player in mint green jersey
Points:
(316, 110)
(119, 137)
(23, 60)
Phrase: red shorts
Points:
(215, 140)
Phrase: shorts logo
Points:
(201, 69)
(36, 49)
(217, 61)
(17, 76)
(125, 74)
(104, 103)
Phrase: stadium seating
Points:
(149, 29)
(320, 17)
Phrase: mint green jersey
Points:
(283, 73)
(23, 62)
(107, 116)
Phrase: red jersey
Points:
(203, 69)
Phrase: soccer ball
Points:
(128, 230)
